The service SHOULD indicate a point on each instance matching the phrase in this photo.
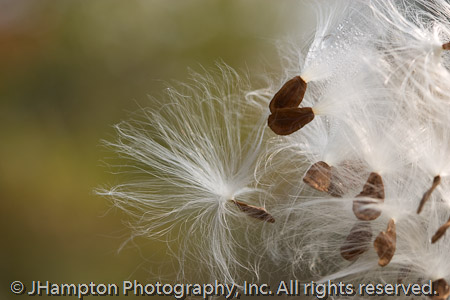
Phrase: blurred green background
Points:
(68, 71)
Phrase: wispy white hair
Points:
(378, 83)
(390, 116)
(185, 161)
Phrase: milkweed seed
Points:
(440, 232)
(254, 211)
(318, 176)
(441, 290)
(373, 188)
(357, 241)
(385, 244)
(427, 194)
(322, 177)
(290, 95)
(285, 121)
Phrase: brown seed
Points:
(441, 290)
(446, 46)
(254, 211)
(440, 232)
(322, 177)
(357, 241)
(290, 95)
(427, 194)
(374, 188)
(285, 121)
(385, 244)
(318, 176)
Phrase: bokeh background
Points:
(69, 70)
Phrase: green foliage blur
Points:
(69, 70)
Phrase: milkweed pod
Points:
(290, 95)
(254, 211)
(285, 121)
(385, 244)
(374, 188)
(357, 241)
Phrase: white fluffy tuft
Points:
(187, 160)
(378, 84)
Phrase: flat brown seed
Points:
(285, 121)
(441, 290)
(440, 232)
(318, 176)
(446, 46)
(357, 241)
(290, 95)
(374, 188)
(254, 211)
(385, 244)
(427, 194)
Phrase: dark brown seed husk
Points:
(427, 194)
(254, 211)
(441, 290)
(374, 188)
(446, 46)
(318, 176)
(440, 232)
(385, 244)
(285, 121)
(290, 95)
(322, 177)
(357, 241)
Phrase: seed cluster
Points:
(342, 155)
(286, 118)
